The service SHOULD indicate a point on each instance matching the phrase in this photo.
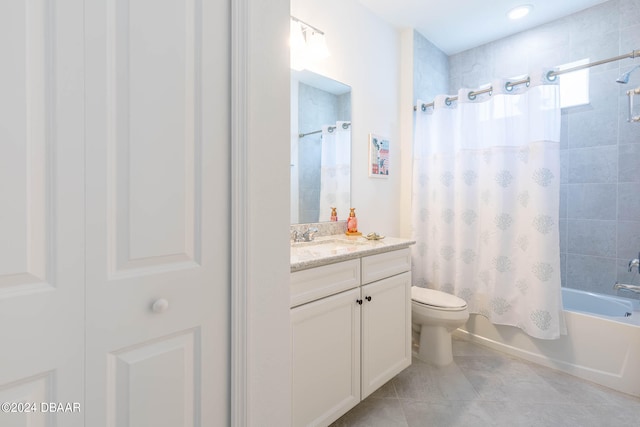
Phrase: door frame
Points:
(260, 324)
(238, 391)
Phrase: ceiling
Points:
(458, 25)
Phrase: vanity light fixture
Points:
(307, 44)
(519, 12)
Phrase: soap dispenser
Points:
(334, 214)
(352, 224)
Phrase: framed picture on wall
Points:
(378, 156)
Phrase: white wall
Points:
(365, 54)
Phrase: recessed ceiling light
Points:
(519, 12)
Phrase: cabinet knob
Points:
(160, 305)
(359, 301)
(367, 298)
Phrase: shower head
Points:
(624, 79)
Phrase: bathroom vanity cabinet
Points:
(351, 332)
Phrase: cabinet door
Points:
(325, 341)
(386, 330)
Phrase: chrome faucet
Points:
(634, 263)
(632, 288)
(306, 236)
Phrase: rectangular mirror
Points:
(320, 148)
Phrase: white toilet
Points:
(434, 316)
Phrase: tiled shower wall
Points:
(600, 151)
(430, 70)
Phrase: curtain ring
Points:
(423, 107)
(472, 96)
(330, 129)
(447, 101)
(528, 83)
(508, 86)
(345, 126)
(550, 77)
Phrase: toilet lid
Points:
(436, 298)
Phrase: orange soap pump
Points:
(352, 224)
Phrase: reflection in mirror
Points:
(320, 148)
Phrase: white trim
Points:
(239, 209)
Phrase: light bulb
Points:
(297, 46)
(317, 45)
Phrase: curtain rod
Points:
(509, 85)
(345, 125)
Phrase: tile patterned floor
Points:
(487, 388)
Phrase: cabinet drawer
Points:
(387, 264)
(319, 282)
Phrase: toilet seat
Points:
(436, 299)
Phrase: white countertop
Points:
(340, 247)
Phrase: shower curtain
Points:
(485, 203)
(335, 170)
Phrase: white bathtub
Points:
(603, 348)
(608, 306)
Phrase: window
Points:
(574, 86)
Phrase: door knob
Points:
(160, 305)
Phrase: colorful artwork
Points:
(378, 156)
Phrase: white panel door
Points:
(157, 212)
(41, 211)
